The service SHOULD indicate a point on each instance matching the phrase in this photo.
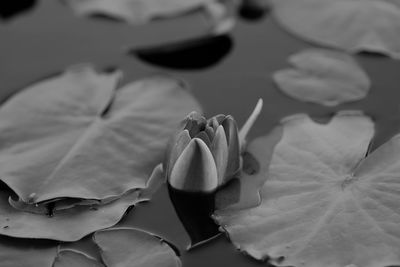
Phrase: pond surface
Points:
(48, 38)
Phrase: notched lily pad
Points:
(324, 202)
(198, 53)
(76, 136)
(353, 25)
(323, 76)
(129, 247)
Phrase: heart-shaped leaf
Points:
(353, 25)
(324, 203)
(75, 136)
(323, 76)
(128, 247)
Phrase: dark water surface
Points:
(49, 38)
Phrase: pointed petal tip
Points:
(204, 136)
(229, 124)
(231, 129)
(220, 130)
(195, 169)
(202, 146)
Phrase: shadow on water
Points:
(253, 10)
(101, 16)
(27, 244)
(194, 211)
(3, 186)
(9, 9)
(193, 54)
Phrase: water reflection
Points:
(198, 53)
(9, 9)
(194, 211)
(253, 9)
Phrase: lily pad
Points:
(352, 25)
(76, 136)
(324, 203)
(69, 258)
(142, 11)
(28, 253)
(66, 225)
(129, 247)
(323, 76)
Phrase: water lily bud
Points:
(204, 154)
(195, 169)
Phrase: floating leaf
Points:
(66, 225)
(323, 76)
(27, 253)
(191, 54)
(142, 11)
(128, 247)
(325, 203)
(353, 25)
(74, 258)
(75, 136)
(48, 208)
(157, 178)
(9, 9)
(15, 252)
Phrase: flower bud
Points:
(205, 154)
(195, 169)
